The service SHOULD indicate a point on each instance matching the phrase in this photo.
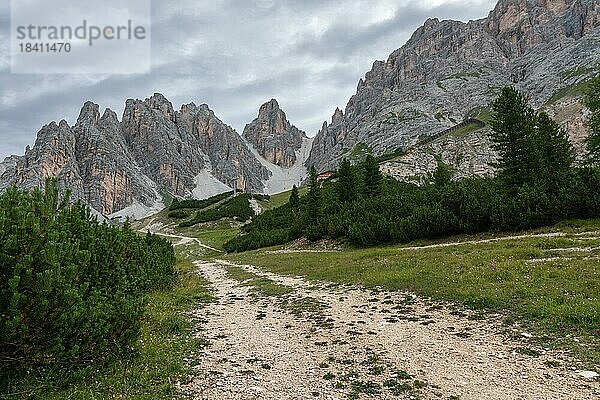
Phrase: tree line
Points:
(537, 184)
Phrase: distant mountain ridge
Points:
(128, 167)
(447, 72)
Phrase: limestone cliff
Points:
(154, 151)
(273, 136)
(451, 70)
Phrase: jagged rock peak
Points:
(431, 22)
(274, 117)
(188, 108)
(205, 107)
(159, 102)
(273, 136)
(158, 99)
(450, 69)
(338, 115)
(109, 116)
(89, 114)
(193, 109)
(269, 107)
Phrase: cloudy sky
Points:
(233, 55)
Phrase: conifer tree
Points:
(593, 103)
(554, 153)
(314, 195)
(372, 177)
(346, 186)
(513, 122)
(443, 174)
(294, 198)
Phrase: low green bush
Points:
(198, 204)
(71, 288)
(237, 207)
(405, 212)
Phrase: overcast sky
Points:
(233, 55)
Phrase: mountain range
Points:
(445, 76)
(130, 167)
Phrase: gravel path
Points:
(332, 342)
(185, 240)
(498, 239)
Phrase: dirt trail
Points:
(186, 239)
(579, 236)
(159, 229)
(481, 241)
(331, 342)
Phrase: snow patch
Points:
(207, 186)
(282, 179)
(137, 210)
(97, 214)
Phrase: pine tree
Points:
(92, 287)
(554, 153)
(443, 174)
(513, 122)
(593, 103)
(294, 198)
(372, 177)
(314, 196)
(346, 186)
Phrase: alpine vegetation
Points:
(537, 185)
(71, 288)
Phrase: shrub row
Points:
(237, 207)
(71, 288)
(198, 204)
(405, 212)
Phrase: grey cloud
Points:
(343, 40)
(233, 55)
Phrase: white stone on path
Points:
(588, 374)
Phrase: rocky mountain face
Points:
(90, 158)
(447, 72)
(272, 135)
(173, 147)
(153, 151)
(451, 70)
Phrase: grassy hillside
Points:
(279, 199)
(467, 130)
(214, 233)
(575, 90)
